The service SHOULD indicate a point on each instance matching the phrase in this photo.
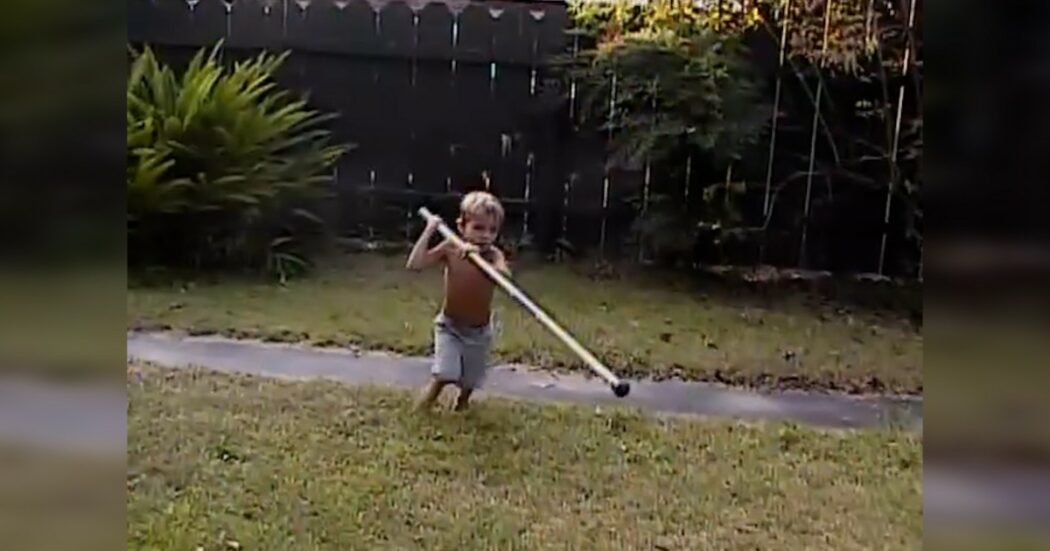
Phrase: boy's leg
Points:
(463, 399)
(447, 363)
(430, 394)
(475, 366)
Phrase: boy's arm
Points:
(499, 262)
(422, 258)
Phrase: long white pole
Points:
(619, 387)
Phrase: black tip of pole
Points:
(621, 389)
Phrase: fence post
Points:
(565, 171)
(371, 202)
(565, 211)
(894, 170)
(648, 175)
(606, 181)
(528, 193)
(782, 53)
(813, 136)
(688, 178)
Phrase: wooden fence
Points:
(441, 98)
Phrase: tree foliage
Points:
(687, 85)
(663, 83)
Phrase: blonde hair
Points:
(481, 203)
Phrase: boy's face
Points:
(479, 229)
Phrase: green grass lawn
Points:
(642, 325)
(220, 461)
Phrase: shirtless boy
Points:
(463, 328)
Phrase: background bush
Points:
(224, 168)
(695, 84)
(683, 89)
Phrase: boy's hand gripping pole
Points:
(619, 387)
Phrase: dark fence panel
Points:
(435, 33)
(255, 24)
(440, 98)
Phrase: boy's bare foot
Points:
(430, 395)
(463, 400)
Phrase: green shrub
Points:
(684, 88)
(223, 166)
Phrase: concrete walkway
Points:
(952, 498)
(673, 397)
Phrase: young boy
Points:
(463, 328)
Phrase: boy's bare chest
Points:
(468, 293)
(463, 274)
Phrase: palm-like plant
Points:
(222, 164)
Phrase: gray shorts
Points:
(461, 354)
